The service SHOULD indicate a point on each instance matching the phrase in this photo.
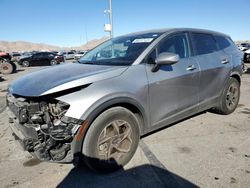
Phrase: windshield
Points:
(119, 51)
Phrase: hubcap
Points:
(25, 63)
(5, 68)
(115, 141)
(232, 96)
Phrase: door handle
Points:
(224, 61)
(191, 68)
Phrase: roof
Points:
(171, 30)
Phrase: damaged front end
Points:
(41, 126)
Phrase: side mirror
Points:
(165, 58)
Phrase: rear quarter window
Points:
(222, 42)
(203, 43)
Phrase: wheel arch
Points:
(126, 102)
(236, 76)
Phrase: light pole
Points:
(111, 18)
(109, 27)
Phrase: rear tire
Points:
(111, 140)
(230, 97)
(6, 68)
(53, 62)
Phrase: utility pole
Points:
(111, 18)
(109, 27)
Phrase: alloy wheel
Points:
(232, 96)
(115, 141)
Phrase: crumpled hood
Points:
(62, 77)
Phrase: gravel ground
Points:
(207, 150)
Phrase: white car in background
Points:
(80, 54)
(244, 46)
(247, 56)
(67, 54)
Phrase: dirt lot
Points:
(207, 150)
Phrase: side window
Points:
(43, 55)
(39, 55)
(177, 44)
(222, 42)
(204, 43)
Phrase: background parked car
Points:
(15, 56)
(67, 55)
(80, 54)
(41, 58)
(244, 46)
(247, 56)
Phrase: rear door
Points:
(173, 89)
(214, 64)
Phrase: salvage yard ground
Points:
(207, 150)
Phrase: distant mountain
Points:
(21, 46)
(91, 44)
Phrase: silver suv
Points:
(97, 109)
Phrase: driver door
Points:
(173, 89)
(37, 58)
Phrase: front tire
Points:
(111, 140)
(25, 63)
(230, 97)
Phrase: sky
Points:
(74, 22)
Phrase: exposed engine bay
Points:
(41, 127)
